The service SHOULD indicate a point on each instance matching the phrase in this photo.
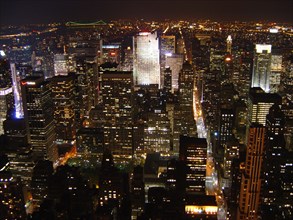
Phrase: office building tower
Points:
(127, 63)
(39, 116)
(251, 182)
(16, 77)
(6, 103)
(276, 72)
(61, 65)
(110, 182)
(146, 59)
(175, 62)
(42, 173)
(16, 132)
(229, 44)
(63, 91)
(90, 144)
(111, 53)
(285, 200)
(117, 101)
(194, 152)
(262, 67)
(167, 80)
(167, 48)
(186, 86)
(226, 125)
(168, 44)
(231, 151)
(86, 88)
(137, 192)
(22, 164)
(274, 155)
(259, 104)
(157, 132)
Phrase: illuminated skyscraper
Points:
(117, 101)
(6, 103)
(39, 115)
(262, 66)
(62, 88)
(17, 92)
(186, 85)
(146, 59)
(249, 201)
(229, 44)
(175, 62)
(276, 72)
(61, 65)
(259, 104)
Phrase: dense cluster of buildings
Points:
(147, 120)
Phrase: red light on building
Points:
(112, 53)
(23, 83)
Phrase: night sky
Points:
(44, 11)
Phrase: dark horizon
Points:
(18, 12)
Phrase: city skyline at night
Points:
(141, 110)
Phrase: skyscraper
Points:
(39, 115)
(251, 182)
(117, 100)
(146, 59)
(259, 104)
(262, 66)
(186, 86)
(194, 152)
(6, 103)
(62, 88)
(174, 62)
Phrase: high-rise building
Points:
(194, 152)
(262, 66)
(42, 172)
(117, 101)
(16, 77)
(174, 62)
(186, 93)
(39, 115)
(226, 125)
(146, 59)
(157, 132)
(86, 90)
(61, 65)
(276, 72)
(251, 182)
(229, 44)
(274, 156)
(62, 88)
(137, 192)
(6, 103)
(167, 80)
(259, 104)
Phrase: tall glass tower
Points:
(146, 62)
(262, 66)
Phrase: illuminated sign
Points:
(263, 47)
(194, 209)
(6, 91)
(30, 83)
(111, 46)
